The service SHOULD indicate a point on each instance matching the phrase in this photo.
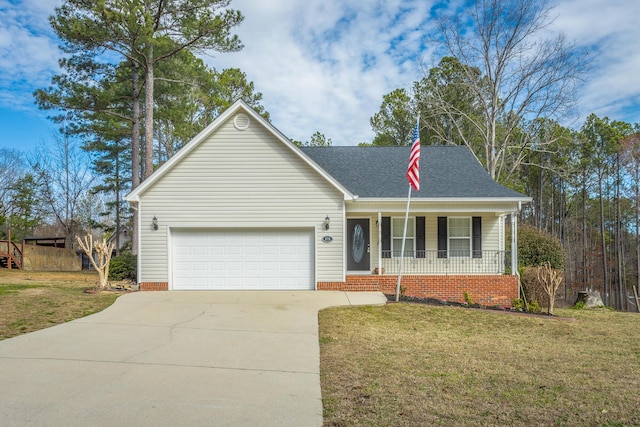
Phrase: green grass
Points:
(30, 301)
(408, 364)
(14, 289)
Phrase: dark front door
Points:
(358, 245)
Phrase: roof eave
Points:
(523, 199)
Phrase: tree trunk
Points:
(117, 160)
(619, 239)
(584, 233)
(135, 128)
(539, 201)
(637, 167)
(135, 151)
(148, 113)
(605, 274)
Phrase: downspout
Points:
(514, 245)
(137, 230)
(379, 224)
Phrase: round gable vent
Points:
(241, 121)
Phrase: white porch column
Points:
(379, 224)
(514, 243)
(514, 248)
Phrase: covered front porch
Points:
(441, 238)
(451, 248)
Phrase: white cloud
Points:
(28, 52)
(325, 65)
(609, 30)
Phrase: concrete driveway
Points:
(175, 358)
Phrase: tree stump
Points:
(590, 299)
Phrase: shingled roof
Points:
(378, 172)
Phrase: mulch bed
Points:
(441, 303)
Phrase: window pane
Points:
(397, 227)
(459, 247)
(408, 247)
(459, 227)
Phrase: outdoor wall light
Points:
(154, 222)
(327, 220)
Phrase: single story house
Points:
(241, 207)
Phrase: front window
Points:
(459, 237)
(397, 228)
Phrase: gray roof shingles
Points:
(446, 171)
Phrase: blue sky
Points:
(325, 65)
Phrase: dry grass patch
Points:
(30, 301)
(408, 364)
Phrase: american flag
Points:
(413, 171)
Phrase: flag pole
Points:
(413, 175)
(404, 238)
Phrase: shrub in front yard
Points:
(537, 247)
(123, 267)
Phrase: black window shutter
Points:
(386, 237)
(442, 237)
(420, 237)
(477, 236)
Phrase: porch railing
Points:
(448, 262)
(11, 255)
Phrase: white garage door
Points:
(256, 259)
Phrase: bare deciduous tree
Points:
(11, 170)
(523, 76)
(550, 280)
(103, 252)
(64, 168)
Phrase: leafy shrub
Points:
(468, 299)
(534, 307)
(518, 304)
(123, 267)
(537, 247)
(532, 289)
(580, 305)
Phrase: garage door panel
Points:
(216, 250)
(252, 250)
(270, 266)
(257, 259)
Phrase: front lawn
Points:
(30, 301)
(407, 365)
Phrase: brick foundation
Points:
(154, 286)
(487, 290)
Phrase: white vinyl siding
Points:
(241, 179)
